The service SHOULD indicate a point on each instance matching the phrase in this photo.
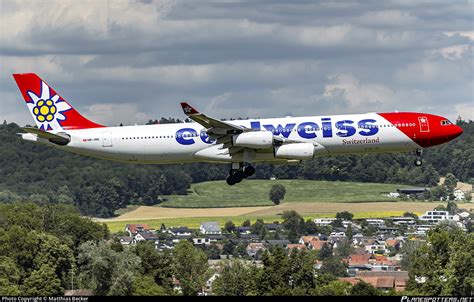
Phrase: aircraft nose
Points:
(457, 131)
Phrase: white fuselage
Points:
(179, 143)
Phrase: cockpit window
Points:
(445, 123)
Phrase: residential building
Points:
(375, 222)
(437, 216)
(459, 195)
(253, 248)
(296, 246)
(133, 229)
(323, 221)
(210, 227)
(377, 247)
(402, 220)
(384, 281)
(370, 262)
(179, 231)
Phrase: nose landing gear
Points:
(238, 172)
(418, 161)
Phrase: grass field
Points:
(195, 222)
(255, 193)
(155, 216)
(216, 201)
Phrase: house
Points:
(375, 222)
(307, 239)
(250, 237)
(282, 243)
(296, 246)
(387, 230)
(412, 192)
(126, 240)
(459, 195)
(402, 220)
(207, 288)
(377, 247)
(370, 262)
(133, 229)
(394, 243)
(243, 230)
(316, 244)
(141, 236)
(384, 281)
(273, 227)
(179, 231)
(203, 241)
(210, 227)
(336, 237)
(437, 216)
(253, 248)
(323, 221)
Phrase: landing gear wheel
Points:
(249, 171)
(230, 181)
(235, 177)
(418, 162)
(239, 176)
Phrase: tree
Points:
(256, 228)
(325, 252)
(335, 288)
(452, 207)
(42, 282)
(349, 232)
(190, 267)
(364, 289)
(344, 249)
(9, 277)
(310, 227)
(157, 265)
(234, 280)
(344, 215)
(246, 223)
(277, 193)
(410, 214)
(146, 286)
(335, 266)
(294, 224)
(444, 262)
(105, 271)
(450, 182)
(229, 226)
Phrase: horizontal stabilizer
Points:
(58, 138)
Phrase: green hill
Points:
(255, 193)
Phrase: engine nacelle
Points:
(295, 151)
(254, 140)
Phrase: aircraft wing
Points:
(223, 131)
(214, 126)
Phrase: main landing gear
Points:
(238, 172)
(418, 162)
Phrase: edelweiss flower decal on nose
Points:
(47, 109)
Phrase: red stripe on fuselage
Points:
(424, 129)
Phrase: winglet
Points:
(188, 109)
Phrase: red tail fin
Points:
(49, 110)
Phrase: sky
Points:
(128, 61)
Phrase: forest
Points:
(44, 175)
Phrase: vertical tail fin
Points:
(49, 110)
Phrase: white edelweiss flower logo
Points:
(48, 110)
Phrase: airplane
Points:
(240, 143)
